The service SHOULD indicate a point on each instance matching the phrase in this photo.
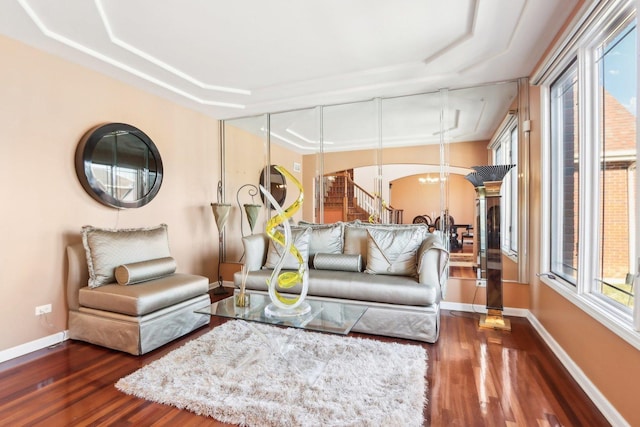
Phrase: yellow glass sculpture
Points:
(286, 305)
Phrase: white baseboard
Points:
(29, 347)
(607, 409)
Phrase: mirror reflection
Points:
(392, 160)
(119, 165)
(277, 184)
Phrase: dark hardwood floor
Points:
(476, 377)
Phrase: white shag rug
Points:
(364, 383)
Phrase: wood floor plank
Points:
(477, 377)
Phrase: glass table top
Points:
(325, 316)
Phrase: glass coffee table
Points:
(324, 316)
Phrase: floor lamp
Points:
(221, 215)
(488, 181)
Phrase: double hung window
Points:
(505, 152)
(591, 164)
(565, 175)
(615, 64)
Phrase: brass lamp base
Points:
(494, 320)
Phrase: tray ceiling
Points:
(243, 57)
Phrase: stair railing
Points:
(354, 196)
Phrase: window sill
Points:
(513, 256)
(590, 305)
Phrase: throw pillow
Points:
(325, 238)
(106, 249)
(355, 240)
(301, 237)
(138, 272)
(355, 235)
(338, 262)
(393, 251)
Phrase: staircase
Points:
(345, 200)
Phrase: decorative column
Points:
(491, 181)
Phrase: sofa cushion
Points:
(393, 251)
(146, 297)
(355, 241)
(355, 235)
(301, 238)
(325, 238)
(402, 290)
(338, 262)
(106, 249)
(137, 272)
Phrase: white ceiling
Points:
(243, 57)
(239, 58)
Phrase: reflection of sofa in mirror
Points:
(399, 140)
(398, 271)
(123, 292)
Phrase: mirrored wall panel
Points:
(245, 155)
(351, 143)
(398, 160)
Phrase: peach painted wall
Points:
(464, 291)
(418, 199)
(47, 105)
(611, 364)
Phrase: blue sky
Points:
(620, 67)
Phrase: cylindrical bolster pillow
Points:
(129, 274)
(338, 262)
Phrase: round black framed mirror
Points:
(119, 165)
(278, 185)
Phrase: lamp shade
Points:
(475, 179)
(221, 214)
(252, 214)
(492, 173)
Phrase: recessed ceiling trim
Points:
(111, 61)
(456, 124)
(482, 111)
(169, 68)
(304, 138)
(506, 48)
(311, 98)
(472, 17)
(288, 141)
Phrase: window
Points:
(505, 152)
(591, 167)
(565, 174)
(615, 60)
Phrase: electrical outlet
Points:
(43, 309)
(481, 283)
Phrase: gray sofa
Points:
(398, 271)
(123, 292)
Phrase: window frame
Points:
(502, 153)
(602, 22)
(570, 72)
